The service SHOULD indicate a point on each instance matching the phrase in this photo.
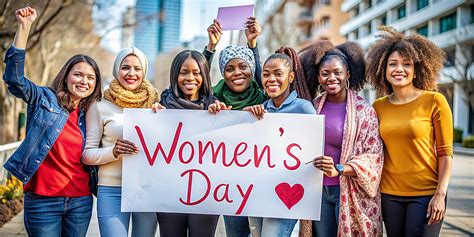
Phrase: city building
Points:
(278, 19)
(157, 27)
(320, 20)
(296, 23)
(447, 23)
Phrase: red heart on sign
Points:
(290, 196)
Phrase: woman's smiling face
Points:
(190, 79)
(130, 75)
(237, 75)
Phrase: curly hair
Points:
(349, 53)
(295, 64)
(427, 58)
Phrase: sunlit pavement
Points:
(459, 220)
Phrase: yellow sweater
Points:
(415, 134)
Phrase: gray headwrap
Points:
(130, 51)
(234, 51)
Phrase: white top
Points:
(104, 123)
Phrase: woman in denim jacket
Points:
(58, 200)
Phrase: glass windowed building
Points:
(158, 26)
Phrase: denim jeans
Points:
(275, 227)
(236, 226)
(113, 222)
(406, 216)
(327, 224)
(57, 216)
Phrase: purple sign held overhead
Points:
(234, 18)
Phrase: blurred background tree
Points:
(63, 28)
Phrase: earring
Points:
(347, 84)
(320, 89)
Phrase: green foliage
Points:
(457, 135)
(11, 189)
(468, 141)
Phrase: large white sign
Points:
(231, 163)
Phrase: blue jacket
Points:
(292, 104)
(45, 118)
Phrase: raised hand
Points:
(25, 18)
(214, 31)
(252, 32)
(26, 15)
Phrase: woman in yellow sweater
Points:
(417, 131)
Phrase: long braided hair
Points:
(299, 84)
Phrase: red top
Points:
(62, 174)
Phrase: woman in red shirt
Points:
(58, 200)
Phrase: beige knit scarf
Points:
(142, 97)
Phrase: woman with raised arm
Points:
(57, 199)
(242, 82)
(240, 87)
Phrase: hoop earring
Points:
(320, 89)
(347, 84)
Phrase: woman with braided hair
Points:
(105, 145)
(416, 117)
(353, 156)
(283, 81)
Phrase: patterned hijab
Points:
(235, 51)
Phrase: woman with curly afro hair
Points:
(417, 130)
(353, 154)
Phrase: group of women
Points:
(388, 161)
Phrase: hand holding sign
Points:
(234, 18)
(214, 32)
(252, 32)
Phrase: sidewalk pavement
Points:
(460, 150)
(459, 220)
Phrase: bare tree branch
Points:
(39, 29)
(124, 26)
(43, 14)
(462, 67)
(3, 13)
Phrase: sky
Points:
(196, 16)
(194, 23)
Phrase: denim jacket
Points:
(45, 118)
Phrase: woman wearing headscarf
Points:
(105, 145)
(239, 65)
